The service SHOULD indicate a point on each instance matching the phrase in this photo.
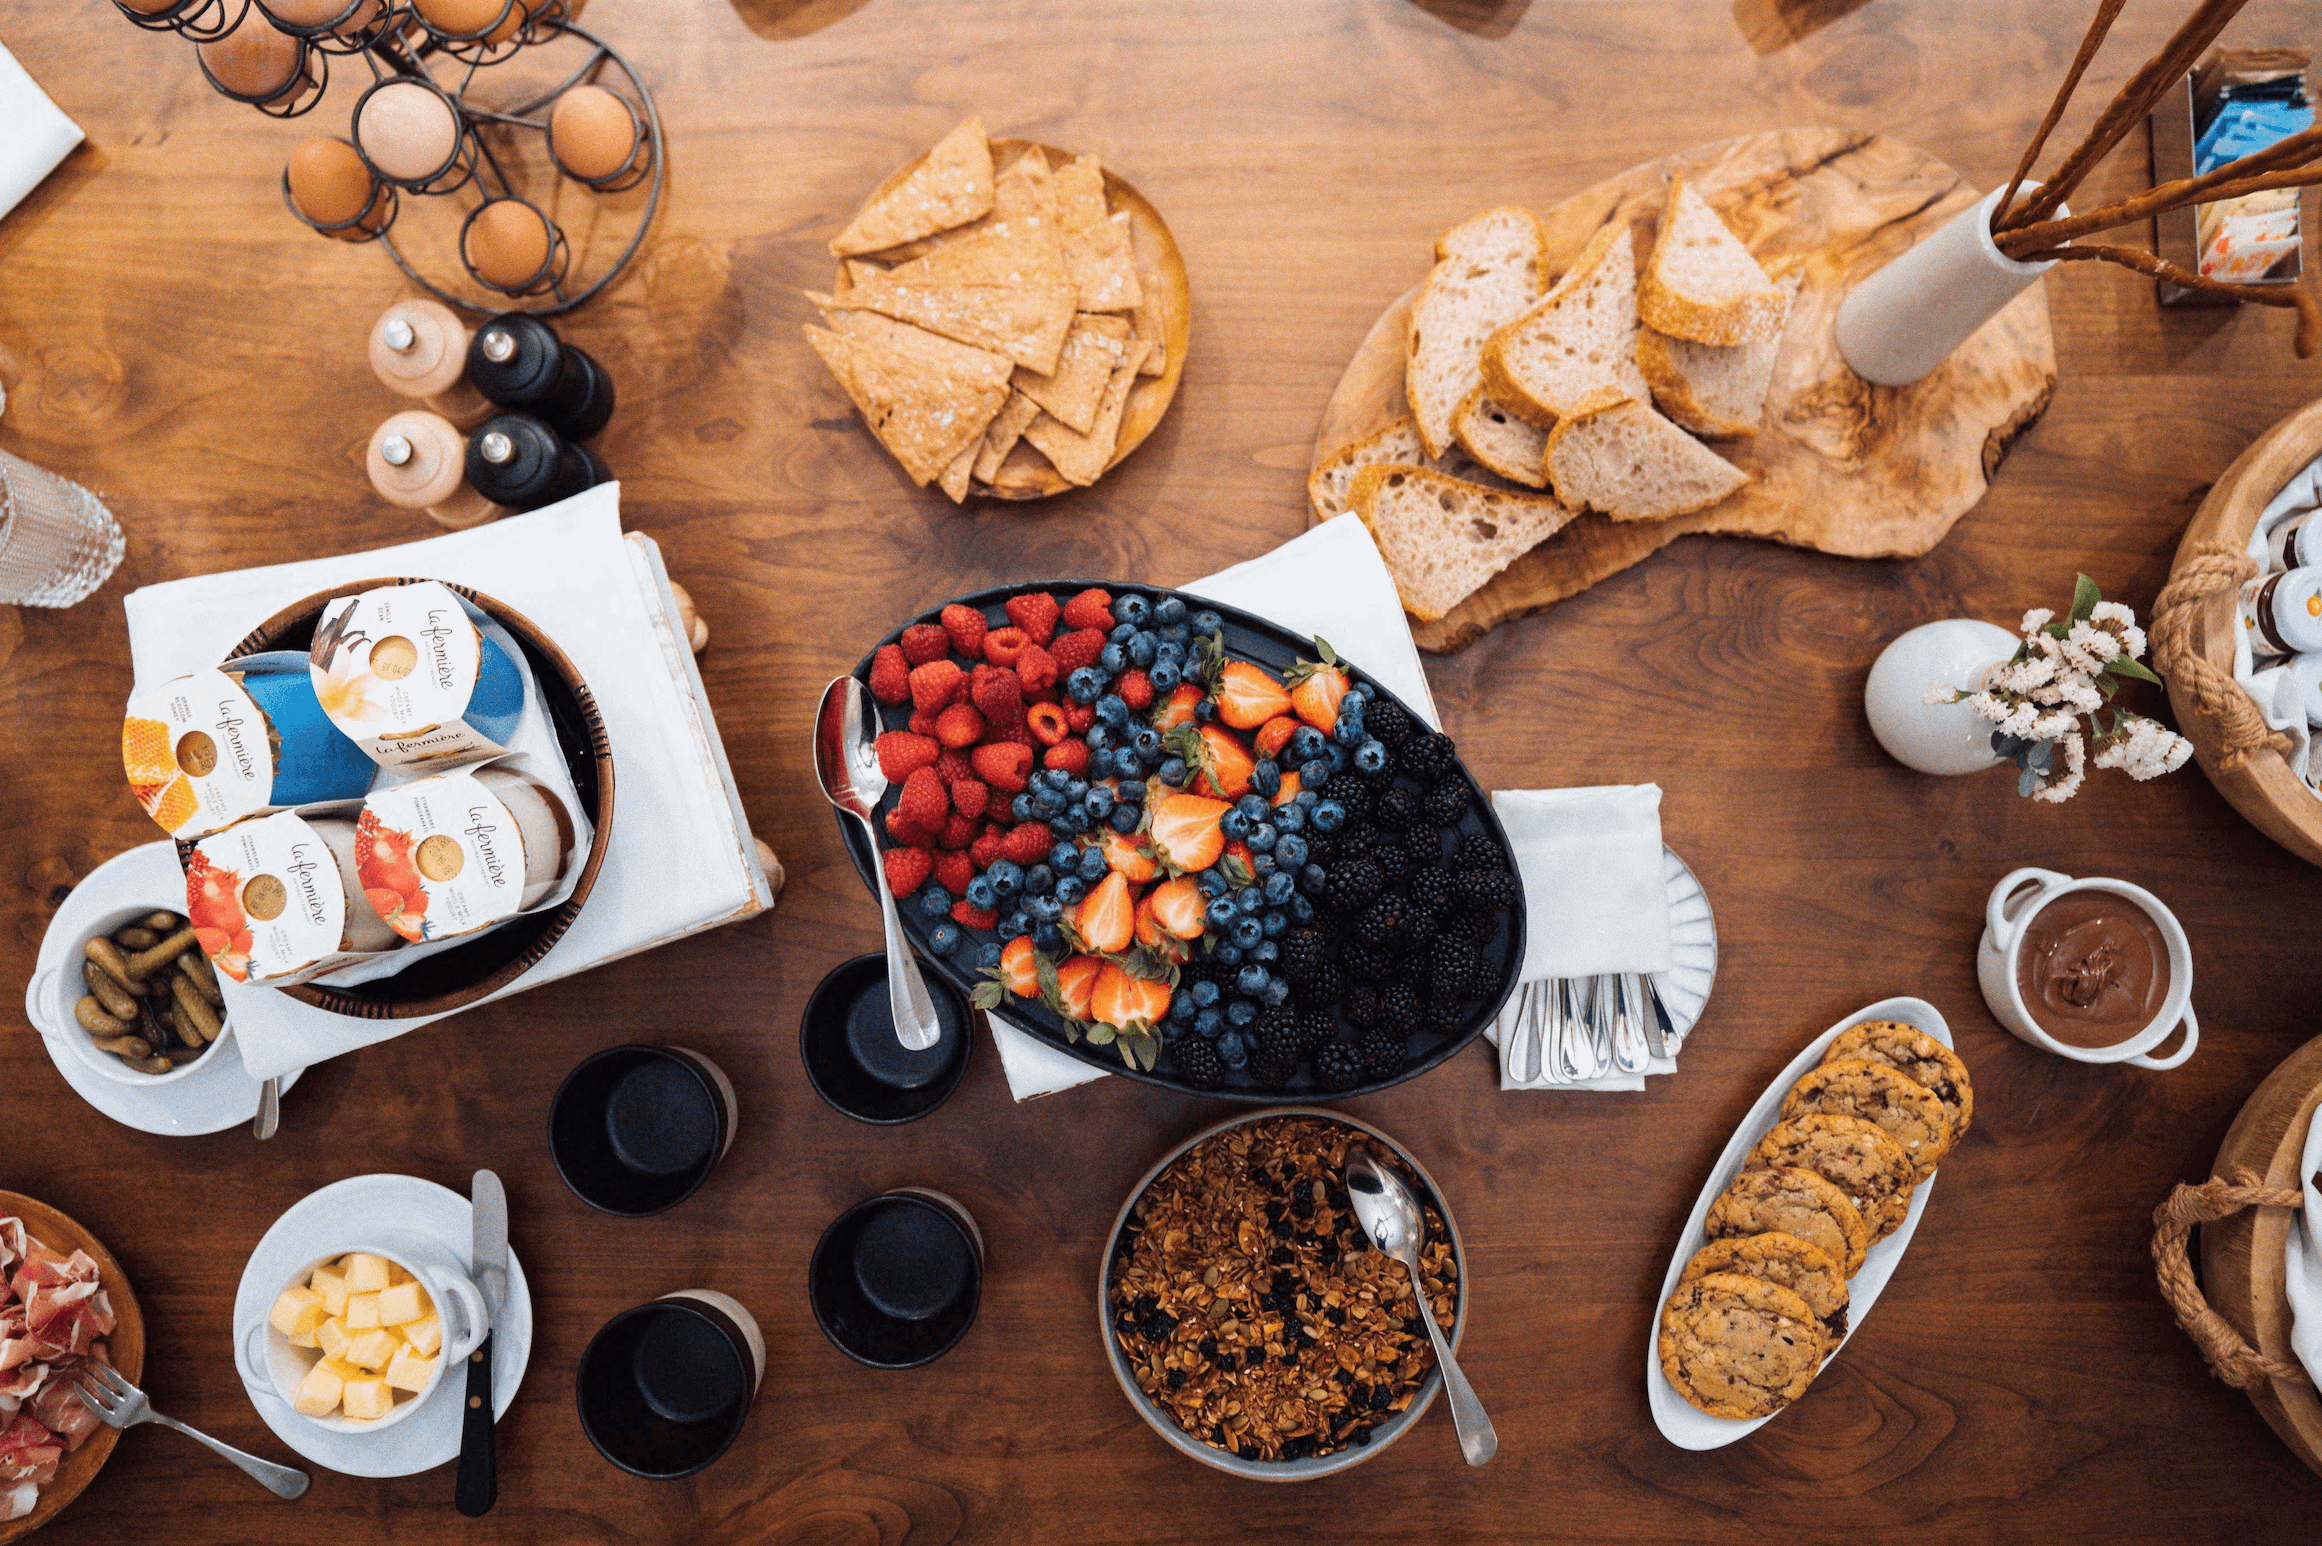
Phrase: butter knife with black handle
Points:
(478, 1487)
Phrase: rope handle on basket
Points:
(2230, 1358)
(2205, 572)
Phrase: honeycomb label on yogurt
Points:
(415, 675)
(203, 751)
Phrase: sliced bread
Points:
(1327, 485)
(1497, 438)
(1487, 271)
(1583, 336)
(1701, 283)
(1709, 389)
(950, 188)
(1443, 537)
(1615, 455)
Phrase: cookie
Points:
(1904, 1109)
(1852, 1154)
(1918, 1057)
(1794, 1202)
(1808, 1271)
(1739, 1347)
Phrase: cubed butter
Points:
(332, 1337)
(410, 1369)
(296, 1311)
(318, 1394)
(307, 1338)
(424, 1334)
(340, 1367)
(374, 1350)
(396, 1274)
(331, 1283)
(366, 1274)
(362, 1310)
(401, 1302)
(367, 1399)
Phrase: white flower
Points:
(2037, 619)
(1938, 693)
(2099, 645)
(2063, 786)
(2082, 694)
(2143, 748)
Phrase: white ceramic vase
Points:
(1946, 738)
(1906, 319)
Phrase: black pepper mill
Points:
(518, 362)
(518, 461)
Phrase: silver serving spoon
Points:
(1390, 1216)
(849, 770)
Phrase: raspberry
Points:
(970, 918)
(1036, 614)
(965, 627)
(985, 850)
(923, 642)
(959, 726)
(957, 833)
(1075, 650)
(1048, 723)
(1070, 755)
(924, 803)
(902, 754)
(1017, 734)
(937, 685)
(1003, 645)
(1079, 716)
(907, 833)
(923, 724)
(1036, 670)
(1092, 608)
(997, 692)
(890, 674)
(907, 869)
(953, 766)
(1028, 844)
(1136, 690)
(953, 872)
(969, 798)
(1003, 765)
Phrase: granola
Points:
(1253, 1308)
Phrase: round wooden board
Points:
(2264, 788)
(1159, 263)
(1841, 466)
(126, 1345)
(2241, 1257)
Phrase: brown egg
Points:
(253, 60)
(591, 133)
(330, 185)
(464, 18)
(314, 13)
(407, 131)
(506, 243)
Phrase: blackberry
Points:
(1369, 963)
(1478, 852)
(1392, 860)
(1385, 719)
(1359, 800)
(1399, 1009)
(1361, 1007)
(1321, 848)
(1198, 1063)
(1429, 887)
(1428, 757)
(1487, 890)
(1398, 808)
(1326, 983)
(1382, 1054)
(1277, 1032)
(1303, 954)
(1385, 922)
(1446, 803)
(1356, 841)
(1353, 883)
(1315, 1031)
(1273, 1069)
(1445, 1016)
(1453, 968)
(1473, 928)
(1336, 1067)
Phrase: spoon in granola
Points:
(1390, 1216)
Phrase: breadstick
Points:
(2303, 342)
(2102, 24)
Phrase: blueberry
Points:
(1172, 771)
(1222, 910)
(1355, 701)
(1348, 731)
(1277, 992)
(1133, 610)
(1164, 676)
(1048, 937)
(1252, 807)
(1267, 953)
(1133, 792)
(1171, 651)
(1147, 743)
(1113, 659)
(1261, 837)
(1247, 932)
(1241, 1012)
(1098, 802)
(935, 902)
(1047, 909)
(1336, 756)
(1202, 994)
(1006, 876)
(1123, 630)
(1016, 925)
(1062, 827)
(1175, 633)
(1211, 883)
(1233, 824)
(1077, 790)
(1208, 1023)
(1289, 848)
(1051, 778)
(1099, 736)
(1302, 909)
(1070, 889)
(1279, 888)
(945, 938)
(1329, 816)
(1261, 865)
(1247, 899)
(1048, 802)
(1232, 1050)
(1305, 799)
(1277, 923)
(1039, 880)
(1266, 778)
(1314, 774)
(982, 895)
(1181, 1008)
(1305, 744)
(987, 956)
(1371, 757)
(1085, 684)
(1124, 819)
(1110, 710)
(1205, 710)
(1063, 857)
(1143, 650)
(1020, 808)
(1227, 955)
(1082, 818)
(1205, 623)
(1170, 609)
(1289, 818)
(1311, 878)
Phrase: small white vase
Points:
(1906, 319)
(1945, 738)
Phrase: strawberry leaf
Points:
(1102, 1035)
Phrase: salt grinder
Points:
(518, 362)
(417, 460)
(419, 348)
(518, 461)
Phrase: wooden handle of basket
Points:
(2202, 574)
(2230, 1358)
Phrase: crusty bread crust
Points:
(1504, 379)
(1665, 306)
(1494, 444)
(1540, 515)
(1445, 255)
(1609, 400)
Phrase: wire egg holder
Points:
(397, 42)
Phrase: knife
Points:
(479, 1482)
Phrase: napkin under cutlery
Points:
(34, 134)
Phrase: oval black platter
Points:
(1247, 637)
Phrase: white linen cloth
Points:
(1330, 582)
(2275, 688)
(34, 133)
(2304, 1260)
(681, 858)
(1596, 900)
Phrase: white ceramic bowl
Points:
(268, 1357)
(50, 999)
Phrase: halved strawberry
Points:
(1076, 982)
(1178, 710)
(1021, 964)
(1274, 734)
(1150, 931)
(1247, 697)
(1106, 920)
(1126, 1000)
(1316, 686)
(1185, 830)
(1129, 858)
(1225, 764)
(1291, 784)
(1177, 906)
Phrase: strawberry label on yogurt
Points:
(267, 900)
(413, 674)
(440, 856)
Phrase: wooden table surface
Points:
(170, 337)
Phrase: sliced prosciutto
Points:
(54, 1317)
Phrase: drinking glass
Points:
(57, 541)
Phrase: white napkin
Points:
(1596, 899)
(1329, 582)
(681, 858)
(2303, 1261)
(2280, 696)
(34, 134)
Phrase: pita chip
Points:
(1092, 351)
(1102, 261)
(1001, 435)
(950, 188)
(1080, 194)
(954, 479)
(926, 398)
(1083, 458)
(1006, 290)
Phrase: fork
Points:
(119, 1404)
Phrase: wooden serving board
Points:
(126, 1345)
(1841, 466)
(2241, 1257)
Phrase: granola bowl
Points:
(1304, 1318)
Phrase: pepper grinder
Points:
(518, 362)
(518, 461)
(419, 348)
(418, 460)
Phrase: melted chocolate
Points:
(2093, 969)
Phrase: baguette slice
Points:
(1441, 537)
(1487, 270)
(1327, 486)
(1614, 455)
(1497, 438)
(1701, 283)
(1712, 390)
(1583, 336)
(951, 187)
